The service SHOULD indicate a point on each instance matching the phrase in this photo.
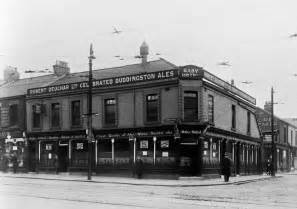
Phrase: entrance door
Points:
(189, 154)
(32, 156)
(62, 154)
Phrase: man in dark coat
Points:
(14, 163)
(139, 168)
(226, 170)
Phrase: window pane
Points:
(210, 109)
(55, 115)
(190, 106)
(110, 111)
(13, 114)
(75, 107)
(233, 116)
(152, 108)
(36, 116)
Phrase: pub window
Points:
(190, 106)
(13, 114)
(248, 122)
(110, 111)
(55, 115)
(233, 109)
(210, 109)
(75, 113)
(36, 116)
(152, 107)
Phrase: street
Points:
(18, 193)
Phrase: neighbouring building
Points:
(292, 133)
(13, 93)
(178, 120)
(282, 134)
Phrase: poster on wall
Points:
(48, 147)
(144, 144)
(164, 143)
(80, 146)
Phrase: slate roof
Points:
(152, 66)
(20, 87)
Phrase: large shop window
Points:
(152, 108)
(75, 113)
(190, 106)
(233, 109)
(110, 111)
(36, 116)
(13, 114)
(55, 115)
(210, 109)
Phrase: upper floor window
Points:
(190, 106)
(291, 137)
(36, 116)
(233, 109)
(13, 114)
(210, 109)
(55, 114)
(248, 122)
(75, 113)
(285, 134)
(152, 108)
(110, 111)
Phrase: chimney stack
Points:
(61, 68)
(144, 51)
(11, 74)
(232, 82)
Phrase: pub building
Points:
(177, 120)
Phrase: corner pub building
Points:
(178, 120)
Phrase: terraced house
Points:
(178, 120)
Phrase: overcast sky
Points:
(253, 35)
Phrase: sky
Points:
(252, 35)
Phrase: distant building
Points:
(178, 120)
(283, 133)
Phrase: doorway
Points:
(62, 156)
(32, 156)
(189, 159)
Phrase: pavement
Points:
(182, 182)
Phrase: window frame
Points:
(59, 115)
(71, 113)
(210, 108)
(115, 106)
(233, 117)
(248, 122)
(195, 111)
(157, 105)
(34, 114)
(13, 114)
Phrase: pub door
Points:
(62, 156)
(189, 162)
(32, 156)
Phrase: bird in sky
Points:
(158, 54)
(247, 82)
(117, 56)
(226, 63)
(294, 35)
(116, 31)
(121, 58)
(295, 74)
(29, 71)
